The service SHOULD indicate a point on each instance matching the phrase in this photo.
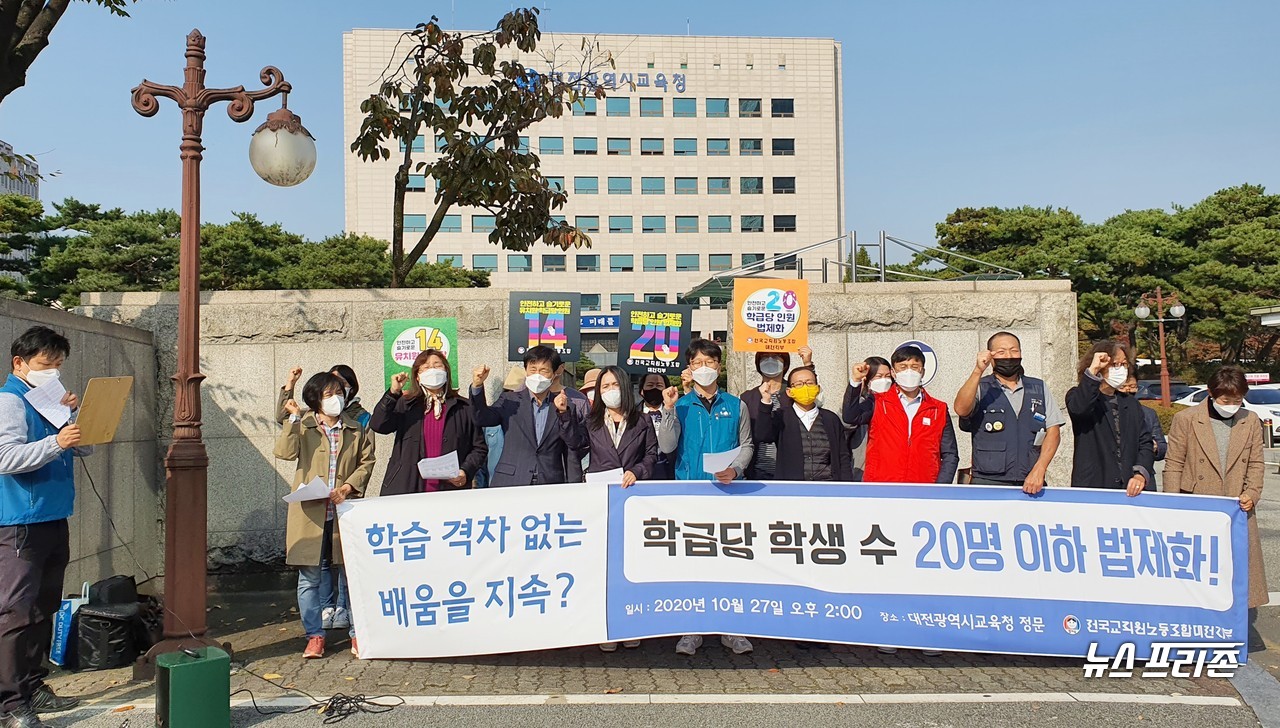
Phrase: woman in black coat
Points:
(617, 434)
(428, 421)
(1113, 441)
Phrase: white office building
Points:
(19, 175)
(727, 151)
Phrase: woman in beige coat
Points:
(330, 445)
(1215, 448)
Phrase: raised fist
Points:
(806, 356)
(686, 379)
(984, 361)
(561, 402)
(1100, 362)
(294, 375)
(860, 371)
(670, 396)
(291, 407)
(397, 382)
(478, 376)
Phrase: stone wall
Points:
(250, 339)
(127, 473)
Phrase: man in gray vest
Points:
(1016, 426)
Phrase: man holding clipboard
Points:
(37, 494)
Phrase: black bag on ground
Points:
(107, 636)
(114, 590)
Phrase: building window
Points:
(550, 145)
(651, 147)
(482, 223)
(586, 185)
(415, 223)
(686, 223)
(653, 185)
(688, 262)
(588, 264)
(655, 298)
(585, 145)
(553, 264)
(587, 223)
(784, 185)
(591, 302)
(417, 183)
(618, 147)
(784, 107)
(719, 261)
(655, 263)
(686, 185)
(617, 299)
(784, 223)
(784, 147)
(523, 146)
(717, 108)
(485, 262)
(685, 147)
(586, 106)
(653, 224)
(521, 263)
(556, 221)
(752, 223)
(620, 223)
(719, 224)
(787, 262)
(617, 106)
(449, 258)
(556, 183)
(752, 258)
(717, 147)
(619, 185)
(750, 147)
(419, 144)
(749, 108)
(684, 108)
(651, 107)
(751, 185)
(622, 263)
(451, 224)
(717, 185)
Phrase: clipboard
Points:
(103, 404)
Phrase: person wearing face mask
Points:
(428, 419)
(810, 439)
(1016, 426)
(590, 382)
(350, 394)
(1113, 442)
(711, 421)
(910, 438)
(542, 434)
(877, 380)
(772, 367)
(1216, 448)
(37, 496)
(658, 404)
(580, 404)
(327, 444)
(493, 436)
(1159, 445)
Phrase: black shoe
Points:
(1255, 642)
(21, 718)
(44, 700)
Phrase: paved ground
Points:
(267, 636)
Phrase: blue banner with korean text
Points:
(1071, 572)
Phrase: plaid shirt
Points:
(335, 443)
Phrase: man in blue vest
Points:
(37, 493)
(1016, 425)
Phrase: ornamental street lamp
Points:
(1176, 311)
(283, 153)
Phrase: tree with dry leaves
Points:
(25, 26)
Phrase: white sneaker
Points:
(341, 619)
(739, 645)
(689, 644)
(931, 653)
(631, 644)
(608, 646)
(887, 650)
(326, 618)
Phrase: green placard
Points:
(404, 339)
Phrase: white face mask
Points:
(1227, 410)
(771, 366)
(432, 378)
(705, 376)
(612, 398)
(591, 395)
(908, 378)
(37, 377)
(1116, 376)
(332, 405)
(880, 385)
(537, 383)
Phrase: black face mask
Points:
(651, 397)
(1007, 367)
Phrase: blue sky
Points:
(1094, 105)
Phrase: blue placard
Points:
(600, 322)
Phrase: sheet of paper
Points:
(444, 467)
(47, 399)
(315, 490)
(605, 477)
(714, 462)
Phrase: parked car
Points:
(1262, 399)
(1149, 389)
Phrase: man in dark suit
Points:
(540, 431)
(810, 439)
